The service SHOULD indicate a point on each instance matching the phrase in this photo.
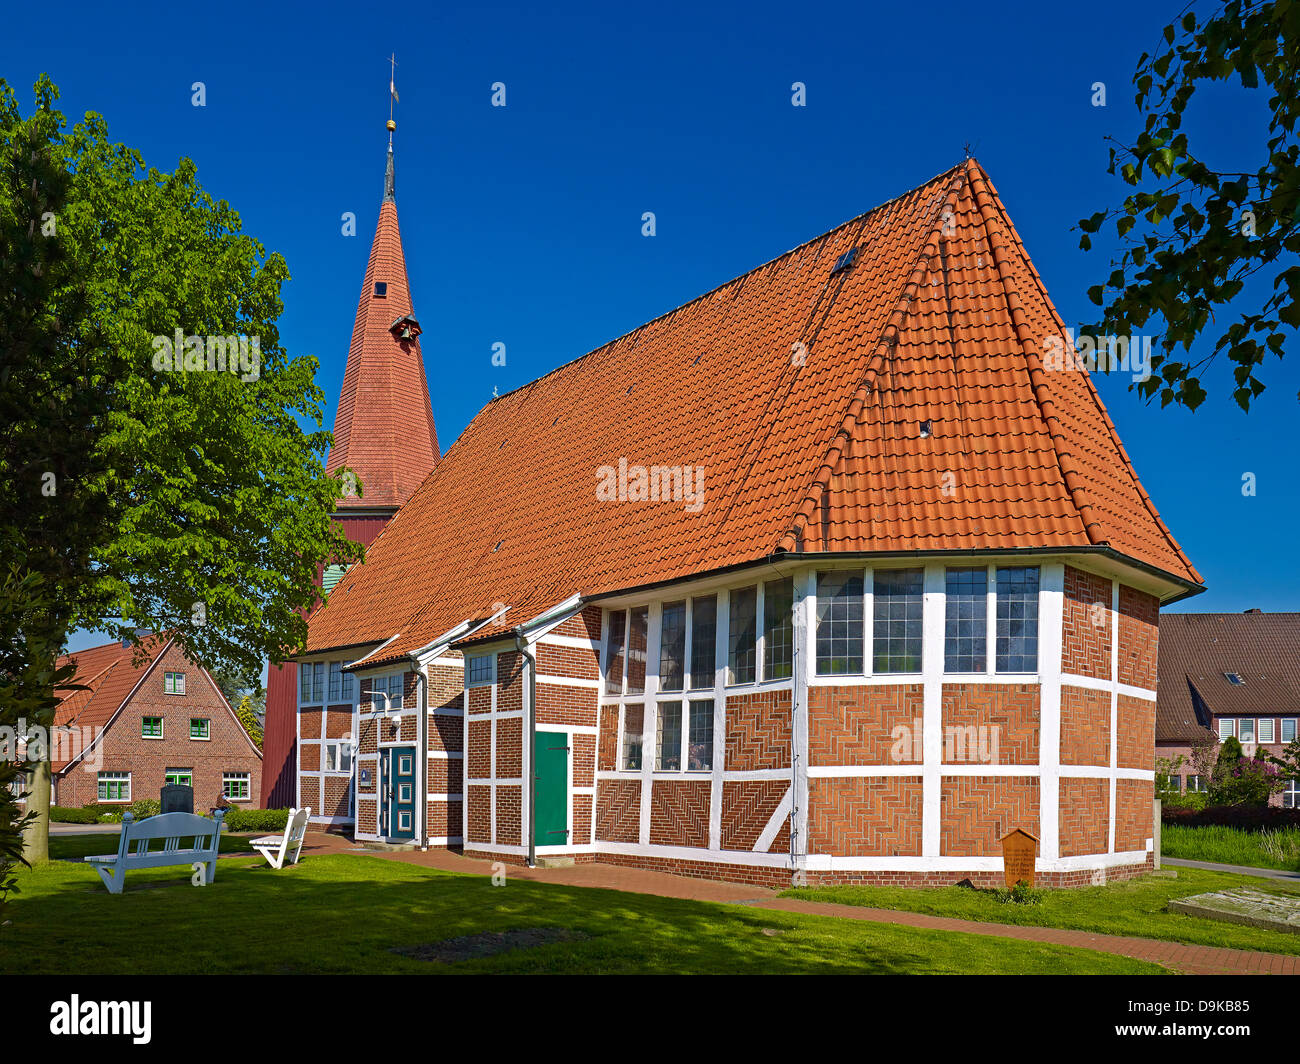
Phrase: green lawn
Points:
(1257, 849)
(344, 913)
(1134, 907)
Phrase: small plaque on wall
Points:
(365, 777)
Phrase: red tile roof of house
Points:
(801, 393)
(1199, 650)
(107, 674)
(383, 430)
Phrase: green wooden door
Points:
(399, 763)
(551, 771)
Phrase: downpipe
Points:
(522, 646)
(422, 731)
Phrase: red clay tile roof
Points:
(800, 392)
(109, 673)
(384, 429)
(1198, 649)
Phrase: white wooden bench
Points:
(275, 848)
(133, 848)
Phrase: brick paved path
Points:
(1191, 960)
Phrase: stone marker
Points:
(177, 798)
(1018, 851)
(1243, 905)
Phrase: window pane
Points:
(742, 633)
(1225, 727)
(633, 726)
(1266, 729)
(1247, 730)
(778, 628)
(1288, 729)
(348, 689)
(614, 652)
(668, 757)
(1017, 619)
(672, 647)
(965, 620)
(336, 681)
(896, 631)
(704, 636)
(700, 751)
(636, 647)
(839, 623)
(480, 670)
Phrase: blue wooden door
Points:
(399, 792)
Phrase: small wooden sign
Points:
(1018, 851)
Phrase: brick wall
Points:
(979, 810)
(747, 807)
(1086, 631)
(607, 760)
(758, 731)
(997, 723)
(510, 748)
(1139, 637)
(1084, 818)
(1136, 727)
(1085, 726)
(679, 813)
(227, 749)
(874, 816)
(478, 806)
(509, 815)
(618, 811)
(856, 725)
(1134, 821)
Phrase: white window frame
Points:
(1259, 730)
(1241, 730)
(207, 729)
(1231, 728)
(162, 726)
(187, 772)
(491, 659)
(246, 778)
(391, 702)
(1292, 791)
(113, 777)
(173, 683)
(1282, 734)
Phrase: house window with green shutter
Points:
(114, 786)
(234, 785)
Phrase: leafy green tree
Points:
(1241, 780)
(151, 492)
(1191, 235)
(246, 711)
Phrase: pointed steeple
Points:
(384, 428)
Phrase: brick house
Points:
(1225, 674)
(829, 573)
(146, 719)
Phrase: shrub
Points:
(240, 819)
(145, 807)
(62, 814)
(1244, 781)
(1192, 800)
(1253, 818)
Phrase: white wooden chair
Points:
(133, 848)
(275, 848)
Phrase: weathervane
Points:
(392, 96)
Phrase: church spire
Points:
(390, 192)
(383, 429)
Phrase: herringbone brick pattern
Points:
(856, 725)
(1086, 634)
(1085, 726)
(781, 844)
(979, 810)
(1136, 726)
(1134, 822)
(1084, 816)
(1139, 636)
(758, 731)
(618, 811)
(997, 723)
(867, 816)
(679, 813)
(747, 806)
(607, 760)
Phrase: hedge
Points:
(1242, 817)
(239, 819)
(62, 814)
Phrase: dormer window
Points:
(405, 328)
(381, 289)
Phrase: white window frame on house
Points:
(181, 777)
(173, 683)
(1227, 728)
(108, 779)
(336, 756)
(1244, 725)
(1265, 724)
(340, 683)
(205, 732)
(311, 683)
(1291, 794)
(687, 718)
(385, 685)
(476, 675)
(144, 734)
(1284, 729)
(1195, 785)
(235, 780)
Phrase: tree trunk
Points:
(36, 836)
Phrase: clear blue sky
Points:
(522, 224)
